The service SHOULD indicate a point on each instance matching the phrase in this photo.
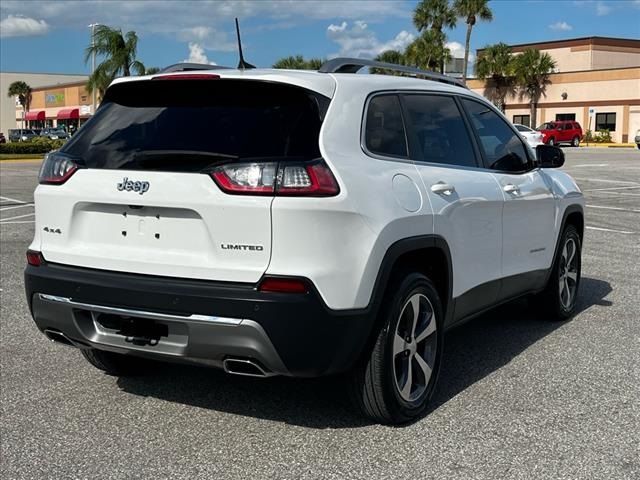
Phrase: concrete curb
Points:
(609, 145)
(18, 160)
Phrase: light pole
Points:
(93, 64)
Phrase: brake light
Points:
(283, 285)
(34, 258)
(292, 179)
(56, 169)
(187, 76)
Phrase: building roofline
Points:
(47, 73)
(59, 85)
(572, 42)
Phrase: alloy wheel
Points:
(414, 347)
(568, 274)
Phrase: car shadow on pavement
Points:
(472, 352)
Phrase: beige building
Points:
(596, 82)
(67, 104)
(10, 115)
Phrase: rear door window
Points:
(384, 132)
(191, 125)
(438, 130)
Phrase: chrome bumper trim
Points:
(208, 319)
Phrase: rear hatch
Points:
(143, 198)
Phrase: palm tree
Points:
(432, 16)
(298, 62)
(495, 66)
(533, 73)
(119, 54)
(21, 90)
(471, 10)
(428, 51)
(151, 70)
(389, 56)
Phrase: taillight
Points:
(272, 178)
(56, 169)
(283, 285)
(34, 258)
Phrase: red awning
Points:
(35, 115)
(68, 113)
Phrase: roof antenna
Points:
(242, 65)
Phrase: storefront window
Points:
(565, 116)
(522, 120)
(606, 121)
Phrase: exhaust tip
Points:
(245, 367)
(58, 337)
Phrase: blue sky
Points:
(50, 36)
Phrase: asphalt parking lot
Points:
(519, 397)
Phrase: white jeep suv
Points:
(274, 222)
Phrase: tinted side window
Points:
(503, 149)
(436, 125)
(384, 129)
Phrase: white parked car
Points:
(532, 137)
(297, 223)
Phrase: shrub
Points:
(36, 146)
(601, 136)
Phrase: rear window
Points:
(191, 125)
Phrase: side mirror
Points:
(549, 157)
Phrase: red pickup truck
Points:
(565, 131)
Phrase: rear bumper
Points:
(204, 322)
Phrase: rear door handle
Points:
(442, 188)
(511, 188)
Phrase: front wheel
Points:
(394, 383)
(561, 293)
(552, 141)
(575, 142)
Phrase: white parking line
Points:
(17, 206)
(19, 221)
(9, 199)
(590, 165)
(605, 181)
(611, 188)
(15, 218)
(609, 230)
(614, 208)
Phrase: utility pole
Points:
(93, 64)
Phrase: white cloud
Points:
(602, 9)
(197, 54)
(359, 41)
(208, 38)
(457, 50)
(19, 26)
(177, 18)
(561, 26)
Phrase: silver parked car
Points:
(55, 133)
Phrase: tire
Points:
(575, 142)
(638, 145)
(395, 380)
(552, 141)
(559, 297)
(114, 363)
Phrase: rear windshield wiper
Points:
(180, 160)
(184, 153)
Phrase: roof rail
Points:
(353, 65)
(188, 67)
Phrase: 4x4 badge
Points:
(131, 185)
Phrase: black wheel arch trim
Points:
(402, 247)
